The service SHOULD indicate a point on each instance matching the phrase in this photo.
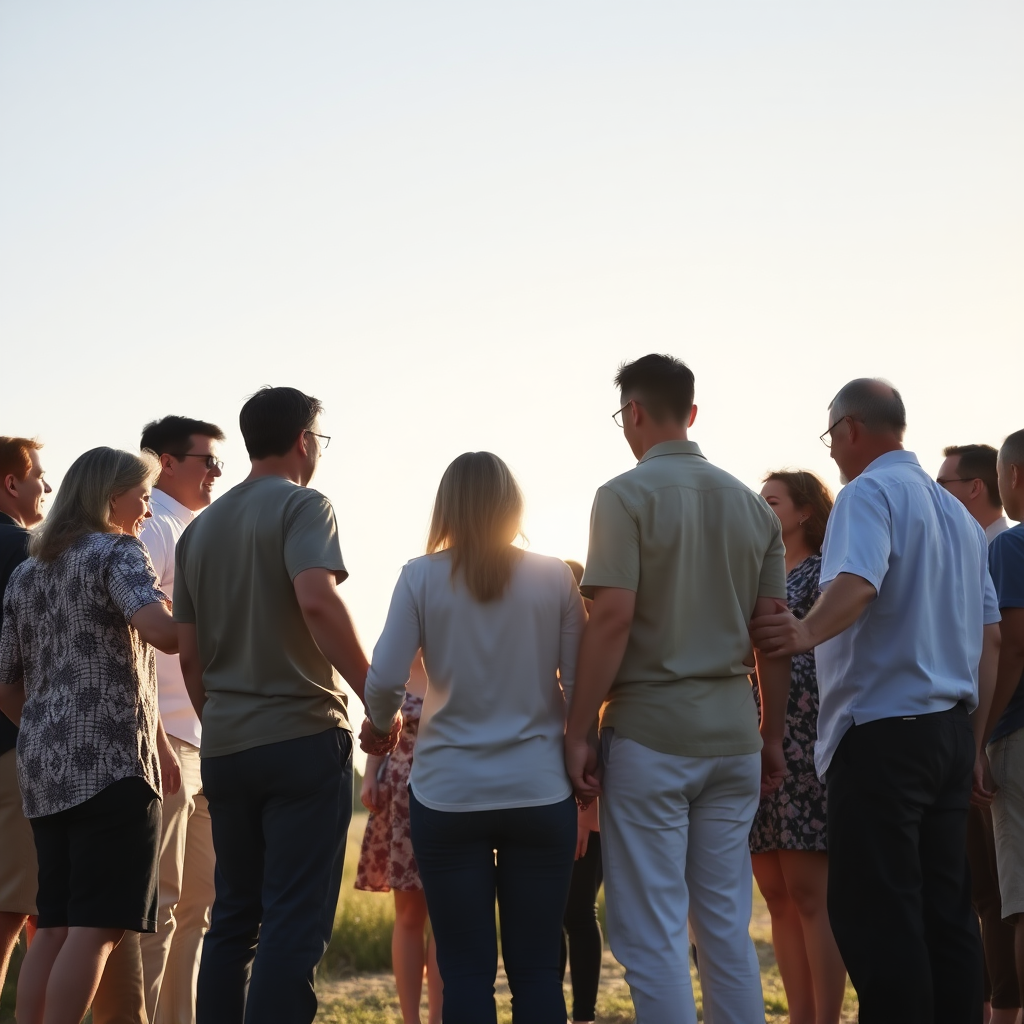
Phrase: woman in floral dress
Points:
(387, 863)
(788, 842)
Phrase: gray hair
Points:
(1012, 451)
(873, 402)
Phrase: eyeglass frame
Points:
(323, 440)
(622, 425)
(828, 433)
(942, 481)
(212, 462)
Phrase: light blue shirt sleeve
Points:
(858, 538)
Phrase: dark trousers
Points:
(583, 931)
(996, 934)
(280, 815)
(529, 874)
(899, 889)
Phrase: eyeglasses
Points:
(323, 439)
(617, 416)
(826, 438)
(945, 480)
(212, 462)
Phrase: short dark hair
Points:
(273, 418)
(978, 461)
(661, 383)
(1012, 450)
(874, 402)
(172, 435)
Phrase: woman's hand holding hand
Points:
(373, 741)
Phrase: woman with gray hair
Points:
(81, 617)
(491, 807)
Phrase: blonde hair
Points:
(82, 504)
(477, 514)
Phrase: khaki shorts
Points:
(19, 876)
(1006, 755)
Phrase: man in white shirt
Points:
(969, 473)
(189, 468)
(906, 639)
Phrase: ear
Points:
(302, 443)
(977, 486)
(11, 484)
(693, 415)
(167, 464)
(1016, 477)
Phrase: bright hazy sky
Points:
(451, 222)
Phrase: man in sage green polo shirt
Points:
(681, 556)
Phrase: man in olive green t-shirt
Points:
(681, 557)
(261, 632)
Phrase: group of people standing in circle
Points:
(734, 686)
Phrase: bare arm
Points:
(1011, 664)
(601, 650)
(12, 700)
(782, 633)
(156, 626)
(773, 681)
(328, 621)
(988, 681)
(191, 667)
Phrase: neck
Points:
(14, 512)
(874, 448)
(277, 465)
(169, 489)
(660, 434)
(987, 515)
(797, 550)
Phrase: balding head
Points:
(873, 402)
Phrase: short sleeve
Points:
(311, 537)
(12, 668)
(858, 538)
(613, 558)
(574, 618)
(130, 579)
(772, 582)
(1006, 566)
(156, 536)
(182, 607)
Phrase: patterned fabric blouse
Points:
(90, 714)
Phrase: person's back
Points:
(681, 556)
(265, 678)
(262, 629)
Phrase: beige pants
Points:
(170, 958)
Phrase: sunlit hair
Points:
(873, 401)
(82, 504)
(477, 515)
(15, 458)
(1012, 450)
(810, 495)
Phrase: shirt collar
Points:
(6, 520)
(901, 455)
(166, 503)
(673, 448)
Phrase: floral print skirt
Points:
(386, 861)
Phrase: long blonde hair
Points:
(477, 514)
(82, 504)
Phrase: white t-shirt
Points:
(499, 674)
(160, 535)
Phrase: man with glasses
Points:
(262, 635)
(905, 637)
(681, 556)
(968, 472)
(189, 469)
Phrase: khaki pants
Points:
(170, 958)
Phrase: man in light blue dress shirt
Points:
(904, 632)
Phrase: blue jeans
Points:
(280, 815)
(530, 875)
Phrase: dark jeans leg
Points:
(455, 852)
(583, 931)
(280, 815)
(899, 886)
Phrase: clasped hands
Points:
(373, 741)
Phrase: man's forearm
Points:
(773, 683)
(332, 629)
(195, 688)
(601, 652)
(988, 669)
(838, 608)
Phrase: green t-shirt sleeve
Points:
(182, 607)
(773, 569)
(613, 558)
(311, 537)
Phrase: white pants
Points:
(170, 958)
(674, 841)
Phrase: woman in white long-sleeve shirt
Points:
(500, 630)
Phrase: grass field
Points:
(355, 986)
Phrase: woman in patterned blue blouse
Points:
(81, 618)
(787, 840)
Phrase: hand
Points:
(170, 769)
(773, 767)
(373, 741)
(983, 789)
(372, 794)
(582, 840)
(781, 634)
(581, 766)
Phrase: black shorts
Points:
(98, 860)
